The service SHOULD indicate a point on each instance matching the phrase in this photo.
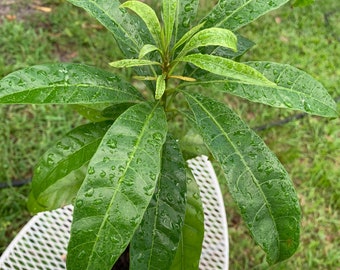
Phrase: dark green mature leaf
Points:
(156, 240)
(227, 68)
(127, 29)
(190, 246)
(125, 63)
(256, 179)
(65, 84)
(186, 13)
(92, 112)
(118, 187)
(234, 14)
(61, 170)
(295, 89)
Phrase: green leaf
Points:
(112, 112)
(61, 170)
(189, 249)
(295, 89)
(256, 179)
(302, 3)
(211, 37)
(155, 242)
(148, 15)
(187, 36)
(125, 63)
(126, 28)
(118, 187)
(227, 68)
(65, 84)
(169, 15)
(233, 15)
(160, 86)
(91, 112)
(148, 48)
(186, 13)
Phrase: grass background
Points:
(308, 38)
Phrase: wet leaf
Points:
(120, 182)
(156, 240)
(148, 48)
(295, 89)
(227, 68)
(256, 179)
(160, 87)
(128, 30)
(61, 170)
(211, 37)
(233, 15)
(125, 63)
(92, 112)
(190, 246)
(169, 15)
(65, 84)
(112, 112)
(186, 13)
(187, 36)
(148, 15)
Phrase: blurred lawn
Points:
(307, 38)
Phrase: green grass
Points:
(307, 38)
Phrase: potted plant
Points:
(125, 172)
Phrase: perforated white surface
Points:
(215, 251)
(42, 243)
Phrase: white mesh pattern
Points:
(215, 251)
(42, 243)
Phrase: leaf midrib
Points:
(245, 164)
(121, 179)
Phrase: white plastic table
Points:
(42, 243)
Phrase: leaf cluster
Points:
(125, 173)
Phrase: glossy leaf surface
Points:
(256, 179)
(148, 15)
(227, 68)
(65, 84)
(189, 249)
(119, 185)
(169, 15)
(147, 48)
(125, 63)
(126, 29)
(211, 37)
(186, 13)
(61, 170)
(234, 14)
(295, 89)
(156, 240)
(160, 87)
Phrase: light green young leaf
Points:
(65, 84)
(187, 36)
(61, 170)
(155, 242)
(148, 15)
(121, 179)
(295, 89)
(169, 15)
(233, 15)
(227, 68)
(148, 48)
(125, 63)
(186, 13)
(189, 249)
(160, 87)
(256, 179)
(211, 37)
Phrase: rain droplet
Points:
(102, 174)
(89, 192)
(79, 203)
(91, 170)
(50, 159)
(111, 143)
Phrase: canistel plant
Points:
(125, 171)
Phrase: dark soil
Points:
(123, 262)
